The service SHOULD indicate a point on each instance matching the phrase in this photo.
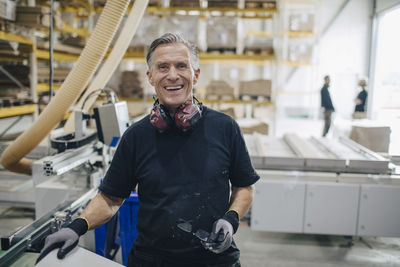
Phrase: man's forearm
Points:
(100, 209)
(241, 199)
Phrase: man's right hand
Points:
(66, 239)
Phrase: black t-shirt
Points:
(181, 177)
(363, 97)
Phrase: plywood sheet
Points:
(78, 257)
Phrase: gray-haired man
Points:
(185, 158)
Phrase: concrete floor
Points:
(266, 249)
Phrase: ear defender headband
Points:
(185, 119)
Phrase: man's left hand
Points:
(221, 236)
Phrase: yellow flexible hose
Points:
(109, 66)
(90, 58)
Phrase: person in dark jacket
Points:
(326, 104)
(361, 99)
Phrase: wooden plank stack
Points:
(218, 89)
(260, 4)
(18, 71)
(6, 102)
(37, 17)
(185, 3)
(255, 88)
(7, 10)
(59, 74)
(223, 4)
(130, 86)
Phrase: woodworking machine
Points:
(323, 186)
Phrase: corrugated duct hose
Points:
(109, 66)
(93, 53)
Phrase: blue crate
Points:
(127, 223)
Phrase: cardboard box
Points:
(219, 88)
(221, 32)
(255, 88)
(260, 4)
(300, 53)
(376, 138)
(223, 4)
(150, 28)
(301, 22)
(37, 16)
(130, 85)
(262, 128)
(187, 26)
(7, 9)
(258, 45)
(185, 3)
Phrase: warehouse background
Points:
(262, 62)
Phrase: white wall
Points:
(382, 5)
(343, 53)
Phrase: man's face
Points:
(327, 80)
(172, 75)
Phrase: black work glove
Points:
(66, 239)
(221, 235)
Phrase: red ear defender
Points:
(160, 118)
(187, 116)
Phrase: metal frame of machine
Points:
(31, 236)
(323, 186)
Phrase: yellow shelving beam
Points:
(69, 29)
(259, 34)
(294, 34)
(17, 110)
(295, 63)
(44, 87)
(79, 10)
(15, 38)
(44, 54)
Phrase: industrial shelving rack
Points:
(89, 11)
(297, 53)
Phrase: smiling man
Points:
(191, 167)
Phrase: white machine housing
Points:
(112, 120)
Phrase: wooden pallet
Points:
(254, 98)
(185, 3)
(221, 50)
(155, 3)
(223, 4)
(258, 51)
(59, 75)
(137, 49)
(219, 97)
(6, 102)
(260, 4)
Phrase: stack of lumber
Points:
(218, 89)
(185, 3)
(223, 4)
(37, 17)
(260, 4)
(255, 88)
(130, 85)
